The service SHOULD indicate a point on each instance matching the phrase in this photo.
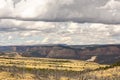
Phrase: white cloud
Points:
(32, 32)
(45, 40)
(105, 11)
(59, 21)
(66, 40)
(111, 4)
(10, 37)
(72, 28)
(26, 34)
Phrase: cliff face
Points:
(100, 54)
(59, 52)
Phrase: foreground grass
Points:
(108, 74)
(55, 69)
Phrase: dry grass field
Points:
(109, 74)
(54, 69)
(46, 63)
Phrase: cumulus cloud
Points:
(81, 11)
(59, 21)
(32, 32)
(10, 37)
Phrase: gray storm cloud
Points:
(81, 11)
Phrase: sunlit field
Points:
(54, 69)
(45, 63)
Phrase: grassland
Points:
(54, 69)
(45, 63)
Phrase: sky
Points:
(74, 22)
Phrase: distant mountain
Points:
(97, 53)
